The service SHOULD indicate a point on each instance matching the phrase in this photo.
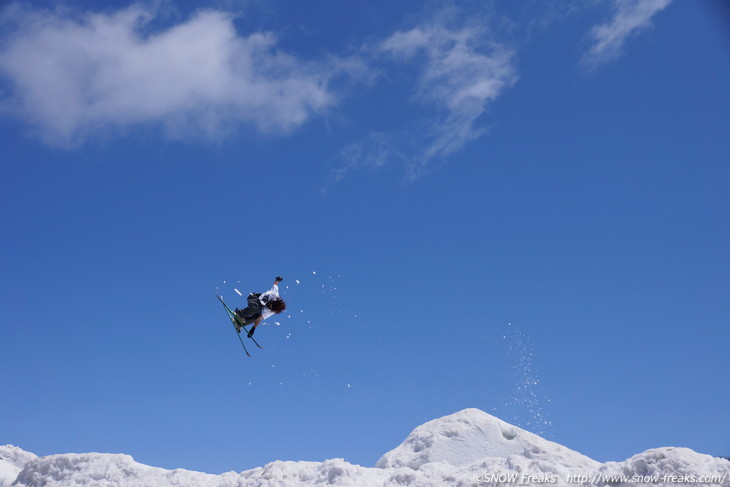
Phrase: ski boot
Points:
(236, 322)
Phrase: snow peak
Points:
(516, 478)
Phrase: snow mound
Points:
(114, 470)
(669, 466)
(468, 448)
(110, 470)
(12, 460)
(469, 435)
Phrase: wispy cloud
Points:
(460, 73)
(629, 19)
(75, 75)
(372, 152)
(460, 70)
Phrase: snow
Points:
(12, 460)
(467, 448)
(471, 434)
(681, 463)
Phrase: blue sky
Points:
(515, 206)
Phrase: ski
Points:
(254, 341)
(234, 319)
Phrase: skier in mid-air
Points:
(261, 307)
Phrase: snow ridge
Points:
(467, 448)
(469, 435)
(12, 461)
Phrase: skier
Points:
(261, 307)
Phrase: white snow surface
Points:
(12, 461)
(469, 435)
(468, 448)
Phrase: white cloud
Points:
(73, 76)
(460, 73)
(630, 18)
(372, 152)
